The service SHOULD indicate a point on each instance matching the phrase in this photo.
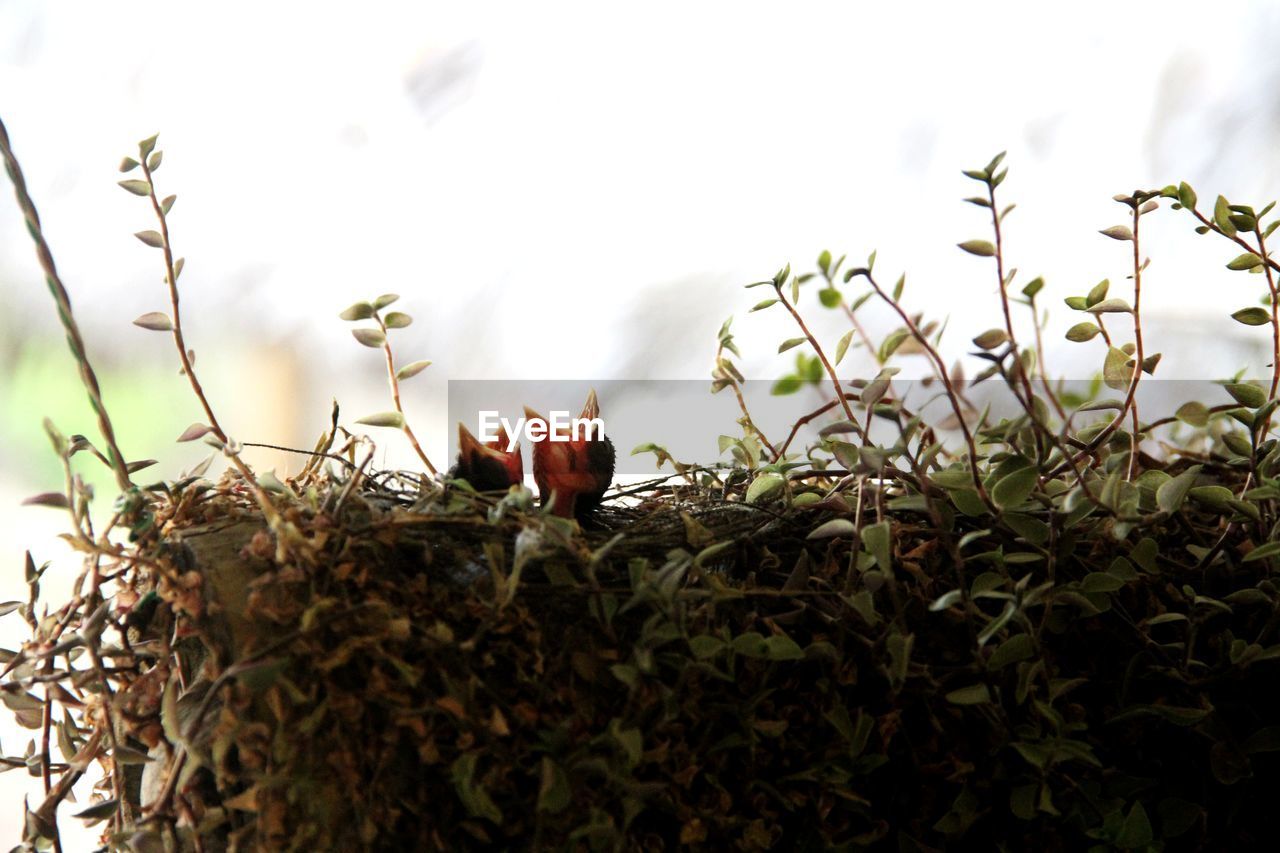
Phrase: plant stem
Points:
(395, 397)
(63, 300)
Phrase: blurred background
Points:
(578, 191)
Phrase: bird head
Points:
(487, 467)
(573, 473)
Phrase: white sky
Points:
(578, 189)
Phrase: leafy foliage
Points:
(1049, 629)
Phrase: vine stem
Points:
(941, 368)
(395, 397)
(171, 279)
(822, 356)
(63, 300)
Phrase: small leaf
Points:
(974, 694)
(167, 204)
(383, 419)
(1270, 549)
(412, 369)
(829, 297)
(397, 320)
(1222, 217)
(760, 306)
(369, 337)
(56, 500)
(98, 811)
(148, 145)
(1116, 371)
(1194, 413)
(156, 321)
(1081, 332)
(151, 238)
(1187, 196)
(834, 527)
(1033, 287)
(1118, 232)
(1172, 493)
(1252, 316)
(1110, 306)
(136, 187)
(991, 338)
(128, 164)
(357, 311)
(1098, 292)
(981, 248)
(1014, 488)
(194, 431)
(792, 342)
(1247, 261)
(1246, 394)
(763, 487)
(843, 346)
(153, 162)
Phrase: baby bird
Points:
(487, 467)
(573, 475)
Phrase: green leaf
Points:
(1033, 287)
(1082, 332)
(1019, 647)
(1076, 303)
(357, 311)
(1115, 369)
(1136, 831)
(1014, 488)
(786, 385)
(369, 337)
(877, 539)
(974, 694)
(1247, 261)
(981, 248)
(1246, 394)
(760, 306)
(151, 238)
(1187, 196)
(167, 204)
(1111, 306)
(991, 339)
(153, 162)
(1270, 549)
(383, 419)
(1171, 494)
(156, 321)
(128, 164)
(136, 187)
(829, 297)
(843, 346)
(834, 527)
(1252, 316)
(412, 369)
(1222, 217)
(397, 320)
(764, 487)
(384, 300)
(792, 342)
(1194, 413)
(947, 599)
(1098, 292)
(1118, 232)
(148, 145)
